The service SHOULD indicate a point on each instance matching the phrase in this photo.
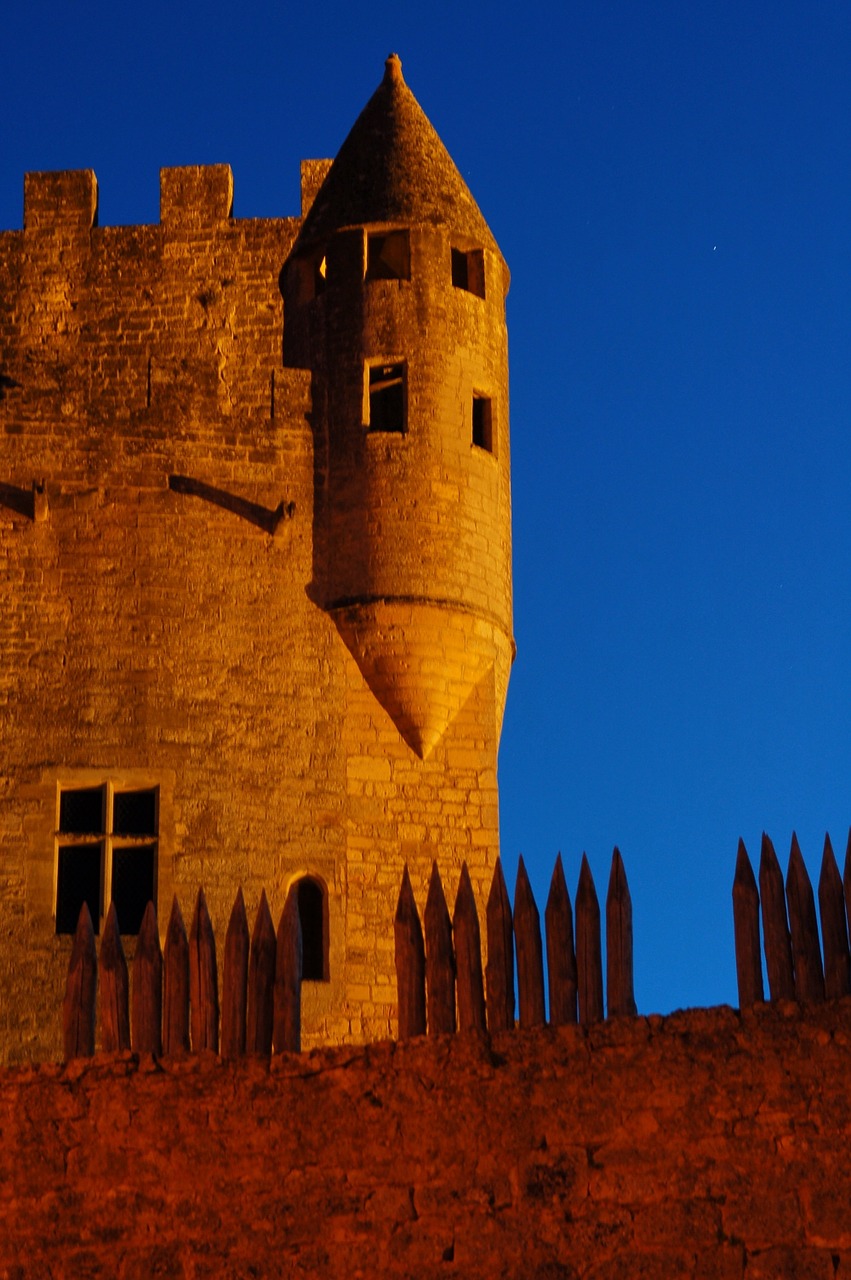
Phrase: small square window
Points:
(134, 813)
(387, 397)
(468, 270)
(81, 811)
(482, 423)
(388, 256)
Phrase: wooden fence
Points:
(175, 1001)
(442, 987)
(793, 959)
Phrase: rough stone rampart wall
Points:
(706, 1144)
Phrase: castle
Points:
(256, 620)
(256, 630)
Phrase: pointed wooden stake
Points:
(589, 961)
(846, 884)
(287, 1023)
(114, 989)
(775, 930)
(561, 954)
(235, 981)
(618, 941)
(806, 956)
(746, 931)
(834, 930)
(78, 1009)
(147, 1012)
(410, 963)
(530, 954)
(261, 982)
(203, 979)
(176, 985)
(619, 978)
(499, 970)
(440, 960)
(468, 957)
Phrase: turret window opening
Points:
(482, 423)
(388, 256)
(320, 273)
(312, 276)
(386, 397)
(313, 917)
(106, 850)
(468, 271)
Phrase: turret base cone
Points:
(422, 660)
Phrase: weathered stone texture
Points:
(706, 1144)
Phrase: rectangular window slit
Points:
(468, 270)
(78, 881)
(387, 397)
(482, 423)
(133, 884)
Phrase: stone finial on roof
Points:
(393, 69)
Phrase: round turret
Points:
(394, 297)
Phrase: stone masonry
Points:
(708, 1144)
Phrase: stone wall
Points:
(705, 1144)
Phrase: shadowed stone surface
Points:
(707, 1144)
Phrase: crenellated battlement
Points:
(196, 196)
(60, 201)
(192, 197)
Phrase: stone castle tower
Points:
(255, 617)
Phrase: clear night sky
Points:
(670, 184)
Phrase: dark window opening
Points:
(78, 881)
(388, 256)
(387, 397)
(320, 274)
(314, 948)
(482, 423)
(81, 811)
(134, 813)
(119, 866)
(312, 275)
(133, 887)
(468, 271)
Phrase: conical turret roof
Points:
(393, 167)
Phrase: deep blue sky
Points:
(670, 184)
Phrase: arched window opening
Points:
(313, 914)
